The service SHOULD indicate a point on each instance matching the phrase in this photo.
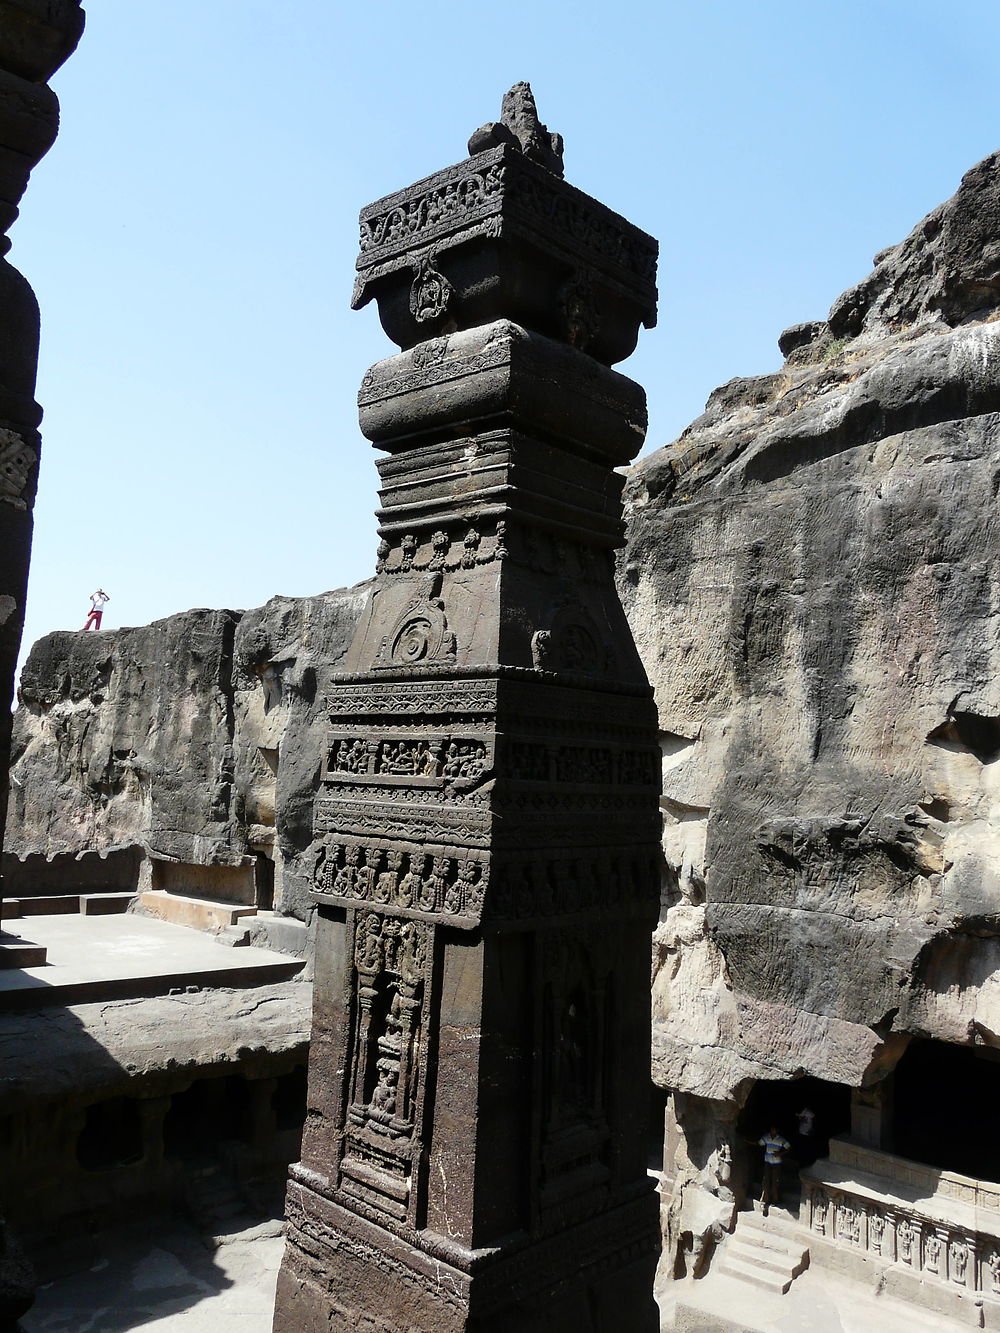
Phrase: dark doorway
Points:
(289, 1100)
(778, 1104)
(111, 1135)
(264, 879)
(944, 1108)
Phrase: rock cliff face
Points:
(150, 756)
(812, 581)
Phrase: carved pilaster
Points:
(488, 824)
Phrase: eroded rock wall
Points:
(812, 581)
(195, 739)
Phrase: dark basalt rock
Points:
(947, 269)
(519, 124)
(487, 874)
(801, 335)
(161, 742)
(502, 236)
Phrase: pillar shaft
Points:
(488, 827)
(35, 39)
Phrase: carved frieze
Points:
(949, 1255)
(444, 822)
(433, 880)
(466, 545)
(431, 760)
(467, 192)
(427, 760)
(448, 697)
(443, 881)
(494, 192)
(392, 958)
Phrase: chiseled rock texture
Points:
(812, 581)
(165, 740)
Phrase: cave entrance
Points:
(944, 1108)
(778, 1104)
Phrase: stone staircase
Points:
(768, 1252)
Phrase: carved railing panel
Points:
(939, 1225)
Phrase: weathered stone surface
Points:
(36, 36)
(811, 582)
(473, 1156)
(437, 257)
(82, 1053)
(166, 738)
(519, 123)
(947, 269)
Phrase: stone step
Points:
(756, 1275)
(201, 913)
(777, 1222)
(105, 904)
(786, 1247)
(774, 1240)
(777, 1261)
(235, 937)
(17, 953)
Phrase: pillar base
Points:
(339, 1269)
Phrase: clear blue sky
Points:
(192, 236)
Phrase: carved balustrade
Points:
(941, 1226)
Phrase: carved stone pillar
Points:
(36, 36)
(474, 1154)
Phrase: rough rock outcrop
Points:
(167, 738)
(812, 583)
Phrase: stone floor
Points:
(167, 1283)
(170, 1282)
(121, 957)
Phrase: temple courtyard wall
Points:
(811, 581)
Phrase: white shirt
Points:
(774, 1145)
(97, 600)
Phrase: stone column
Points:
(475, 1149)
(36, 36)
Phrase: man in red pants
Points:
(97, 600)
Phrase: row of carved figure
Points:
(457, 884)
(441, 757)
(468, 758)
(447, 884)
(932, 1249)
